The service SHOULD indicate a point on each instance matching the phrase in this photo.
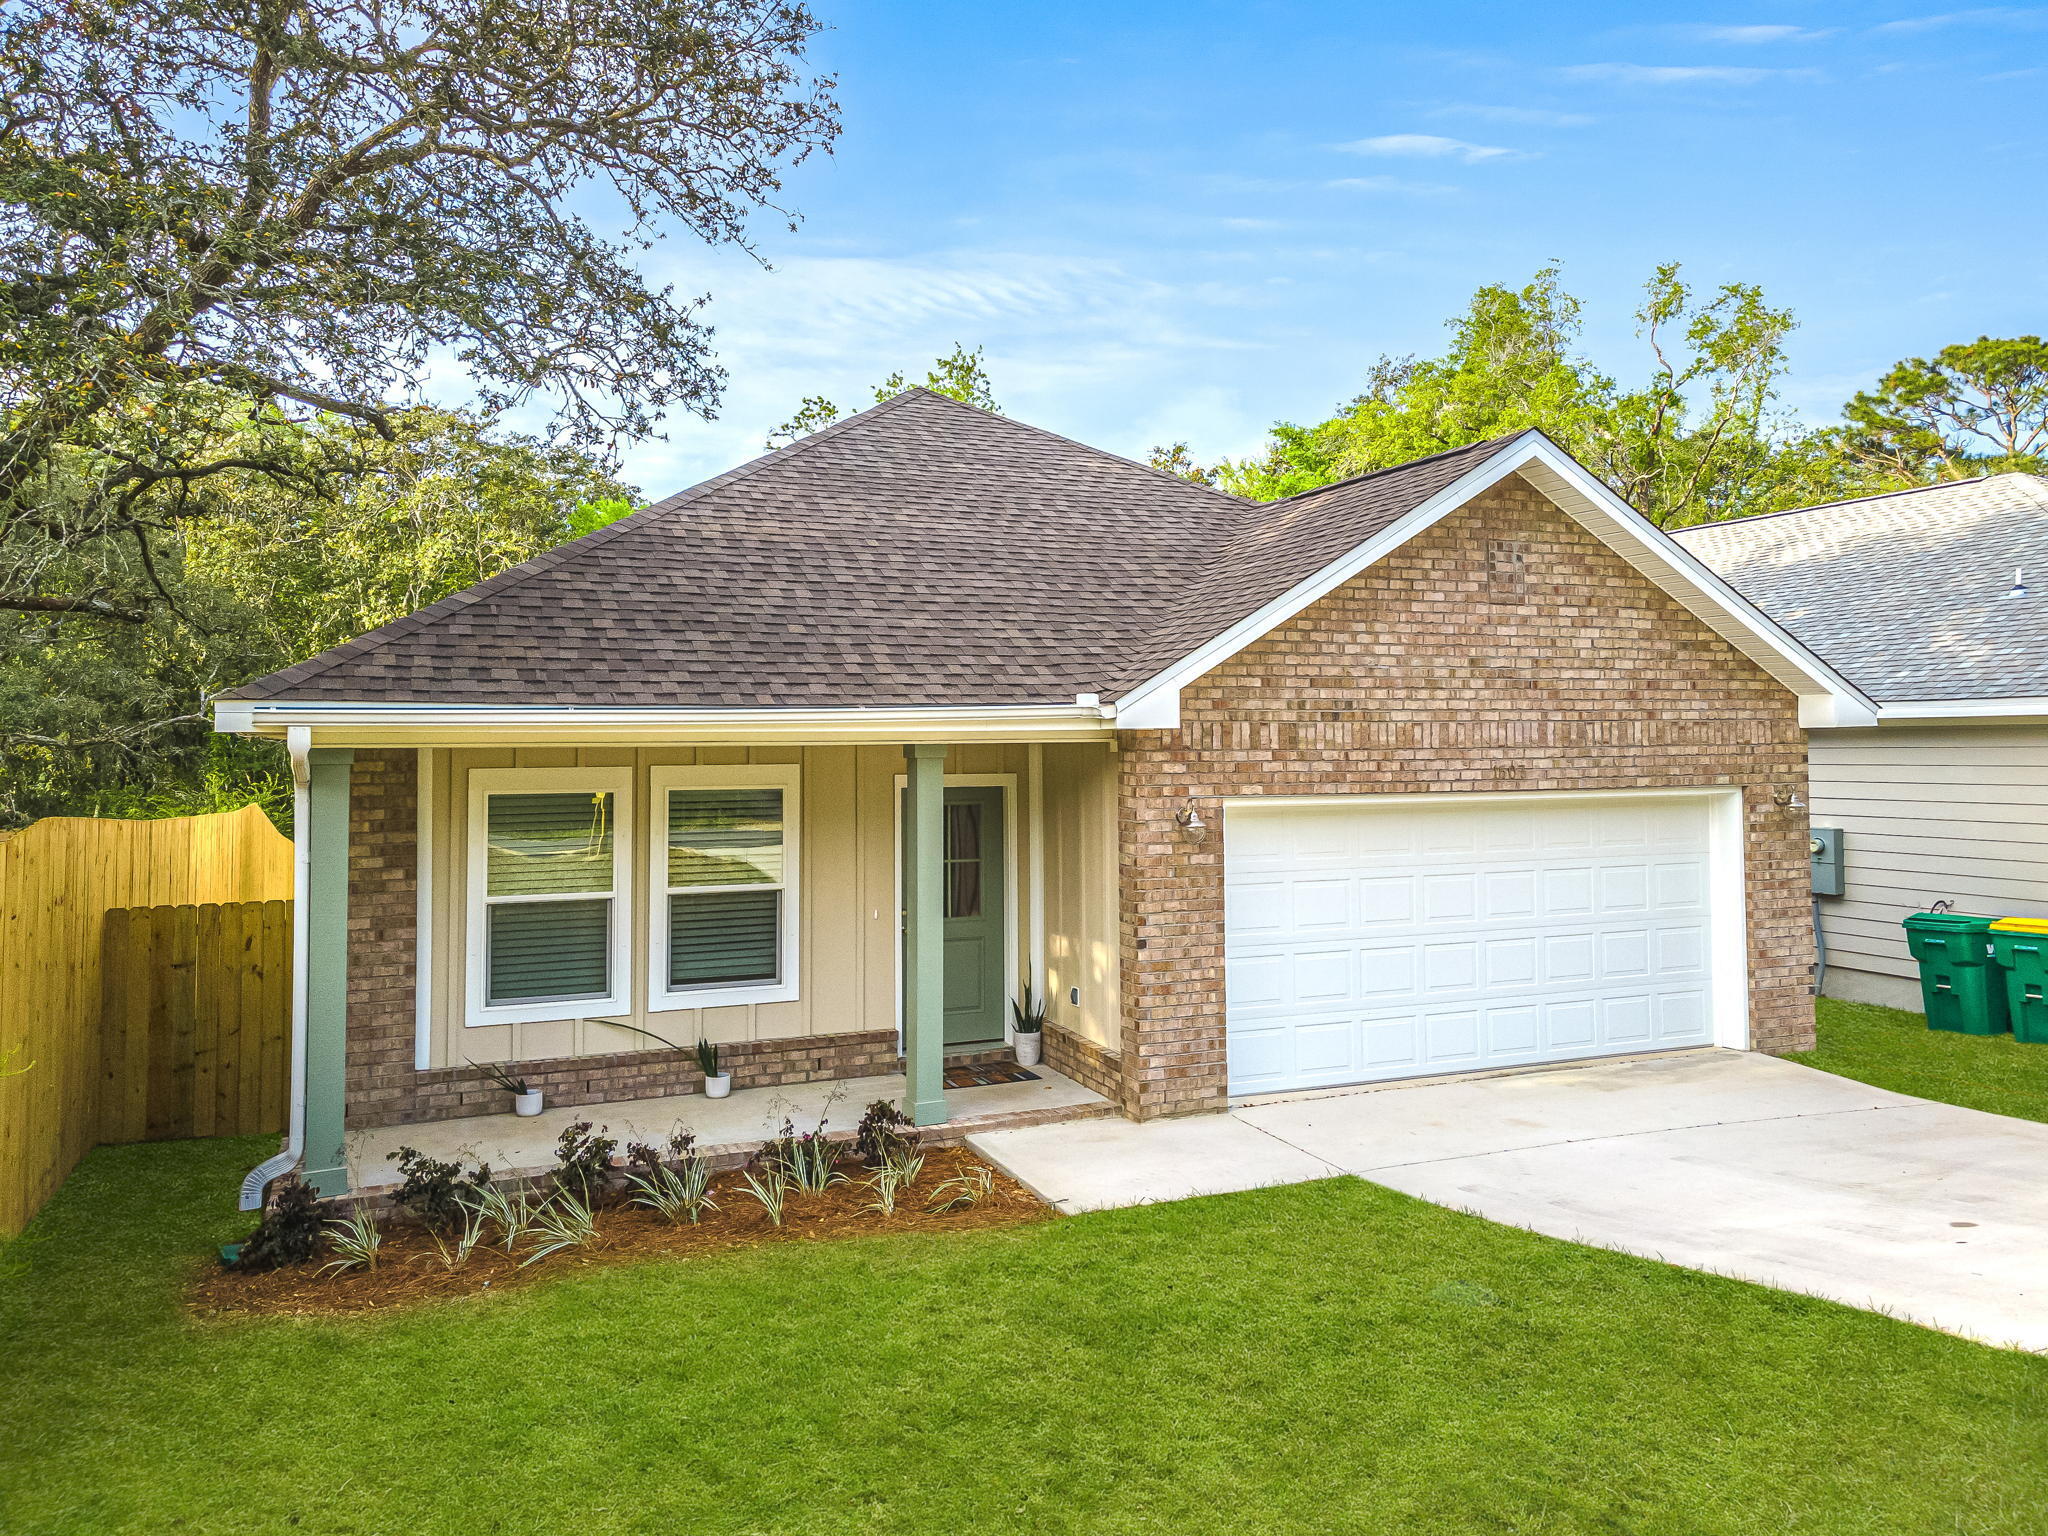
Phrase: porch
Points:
(728, 1130)
(837, 915)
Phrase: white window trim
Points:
(788, 778)
(485, 782)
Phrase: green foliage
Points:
(1176, 460)
(589, 516)
(1699, 439)
(355, 1241)
(107, 719)
(1891, 1049)
(215, 212)
(583, 1162)
(959, 375)
(1976, 408)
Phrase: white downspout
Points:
(298, 740)
(1035, 859)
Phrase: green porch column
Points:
(326, 922)
(924, 934)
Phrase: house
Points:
(1934, 602)
(1456, 766)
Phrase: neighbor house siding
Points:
(1954, 813)
(1448, 668)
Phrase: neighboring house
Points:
(1934, 602)
(1456, 766)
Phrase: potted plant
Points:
(717, 1084)
(525, 1097)
(1027, 1027)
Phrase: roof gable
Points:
(927, 554)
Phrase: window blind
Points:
(716, 938)
(543, 950)
(544, 844)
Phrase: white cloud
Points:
(1539, 117)
(1392, 184)
(1755, 34)
(1681, 74)
(1985, 16)
(1429, 146)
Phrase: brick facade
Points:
(1504, 649)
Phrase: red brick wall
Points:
(1505, 649)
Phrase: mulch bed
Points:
(409, 1270)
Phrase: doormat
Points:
(987, 1075)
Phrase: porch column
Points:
(924, 933)
(325, 921)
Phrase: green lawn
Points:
(1895, 1050)
(1329, 1357)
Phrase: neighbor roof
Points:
(923, 552)
(1905, 594)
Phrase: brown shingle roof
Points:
(923, 552)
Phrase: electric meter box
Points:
(1826, 847)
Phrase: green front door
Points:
(976, 974)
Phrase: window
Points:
(546, 893)
(725, 860)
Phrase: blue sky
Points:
(1187, 220)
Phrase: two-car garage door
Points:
(1367, 941)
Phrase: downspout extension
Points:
(298, 741)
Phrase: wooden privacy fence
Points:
(58, 879)
(195, 1020)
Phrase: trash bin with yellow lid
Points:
(1961, 986)
(2020, 945)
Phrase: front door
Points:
(977, 989)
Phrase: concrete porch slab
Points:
(733, 1125)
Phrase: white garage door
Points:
(1369, 942)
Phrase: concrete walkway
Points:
(1717, 1160)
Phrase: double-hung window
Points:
(723, 922)
(548, 891)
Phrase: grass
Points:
(1890, 1049)
(1326, 1357)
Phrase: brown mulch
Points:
(410, 1271)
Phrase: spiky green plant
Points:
(354, 1240)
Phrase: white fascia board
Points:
(448, 725)
(1913, 711)
(1824, 694)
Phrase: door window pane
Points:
(717, 938)
(543, 844)
(540, 951)
(724, 837)
(963, 860)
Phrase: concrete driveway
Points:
(1717, 1160)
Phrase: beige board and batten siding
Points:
(847, 908)
(1081, 948)
(1953, 813)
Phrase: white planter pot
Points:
(718, 1087)
(1028, 1046)
(527, 1103)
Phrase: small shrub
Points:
(355, 1242)
(806, 1162)
(564, 1222)
(289, 1231)
(510, 1210)
(884, 1134)
(434, 1192)
(768, 1184)
(891, 1179)
(677, 1189)
(583, 1162)
(963, 1190)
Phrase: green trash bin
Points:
(1961, 986)
(2020, 944)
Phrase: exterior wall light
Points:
(1189, 819)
